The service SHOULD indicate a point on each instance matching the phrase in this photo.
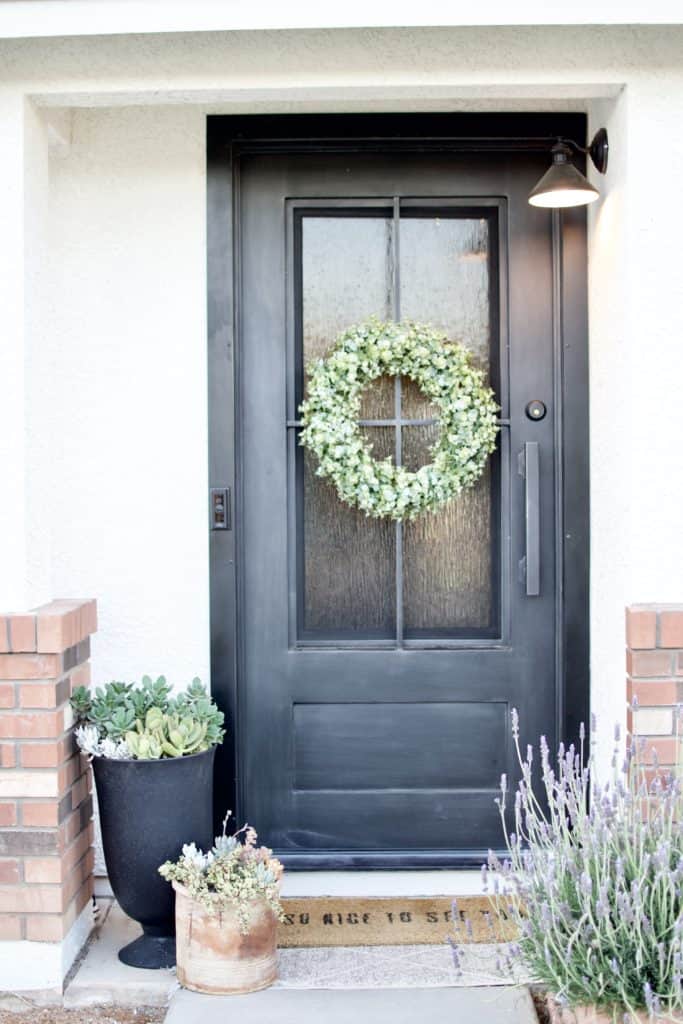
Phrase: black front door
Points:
(379, 662)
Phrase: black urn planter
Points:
(148, 809)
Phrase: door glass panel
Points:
(349, 570)
(444, 261)
(347, 274)
(348, 559)
(448, 585)
(446, 555)
(349, 582)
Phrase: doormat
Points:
(396, 921)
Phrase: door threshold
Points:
(382, 883)
(363, 884)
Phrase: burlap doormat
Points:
(333, 921)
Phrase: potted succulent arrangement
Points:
(152, 754)
(594, 881)
(227, 909)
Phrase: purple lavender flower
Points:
(455, 954)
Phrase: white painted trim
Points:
(40, 18)
(41, 966)
(363, 883)
(77, 937)
(382, 883)
(344, 99)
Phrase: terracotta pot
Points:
(212, 955)
(589, 1015)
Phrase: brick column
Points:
(654, 666)
(46, 830)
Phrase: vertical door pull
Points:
(529, 468)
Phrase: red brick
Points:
(30, 666)
(69, 772)
(10, 928)
(75, 879)
(671, 628)
(75, 907)
(43, 870)
(44, 695)
(641, 627)
(45, 928)
(652, 693)
(84, 895)
(68, 747)
(22, 633)
(667, 749)
(36, 814)
(4, 635)
(649, 663)
(6, 695)
(36, 899)
(74, 853)
(41, 755)
(79, 791)
(81, 676)
(8, 755)
(679, 663)
(70, 829)
(8, 813)
(9, 871)
(64, 623)
(89, 616)
(32, 725)
(57, 626)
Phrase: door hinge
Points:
(220, 508)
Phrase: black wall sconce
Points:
(563, 185)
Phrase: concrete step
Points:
(101, 978)
(353, 1006)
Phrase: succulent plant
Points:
(81, 703)
(144, 745)
(120, 722)
(235, 872)
(184, 736)
(145, 721)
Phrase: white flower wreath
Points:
(444, 372)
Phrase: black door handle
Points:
(529, 468)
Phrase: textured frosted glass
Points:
(347, 278)
(349, 581)
(445, 282)
(349, 559)
(446, 554)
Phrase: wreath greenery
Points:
(444, 372)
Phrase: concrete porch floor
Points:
(395, 983)
(369, 1006)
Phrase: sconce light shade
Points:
(563, 185)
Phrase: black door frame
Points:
(229, 138)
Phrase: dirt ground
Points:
(91, 1015)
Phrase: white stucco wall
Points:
(121, 381)
(118, 367)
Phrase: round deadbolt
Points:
(535, 409)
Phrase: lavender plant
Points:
(235, 871)
(594, 879)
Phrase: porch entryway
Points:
(370, 667)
